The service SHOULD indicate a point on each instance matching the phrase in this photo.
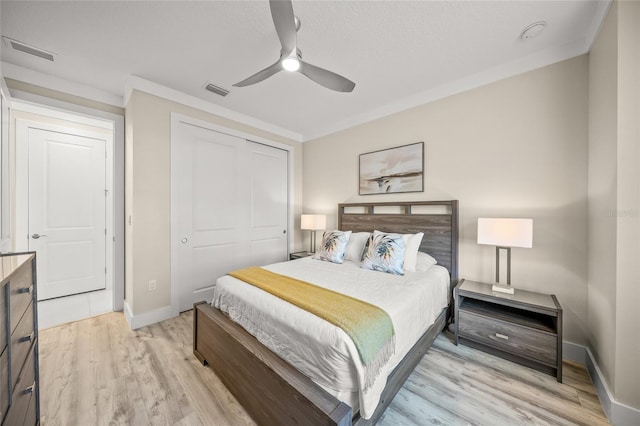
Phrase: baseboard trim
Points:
(574, 352)
(147, 318)
(619, 414)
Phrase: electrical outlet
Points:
(152, 285)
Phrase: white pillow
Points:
(355, 247)
(411, 246)
(424, 262)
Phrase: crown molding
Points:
(522, 65)
(152, 88)
(51, 82)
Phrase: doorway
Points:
(64, 210)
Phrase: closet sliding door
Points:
(231, 200)
(268, 204)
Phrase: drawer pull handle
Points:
(25, 290)
(502, 336)
(30, 389)
(28, 338)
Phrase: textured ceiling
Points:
(399, 53)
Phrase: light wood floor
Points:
(97, 371)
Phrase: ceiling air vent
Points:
(217, 90)
(25, 48)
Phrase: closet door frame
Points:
(176, 120)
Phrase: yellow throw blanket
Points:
(369, 327)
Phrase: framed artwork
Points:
(393, 170)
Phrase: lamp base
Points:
(503, 288)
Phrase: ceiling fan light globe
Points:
(291, 64)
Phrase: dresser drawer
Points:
(4, 383)
(3, 315)
(20, 290)
(522, 341)
(21, 341)
(23, 394)
(31, 418)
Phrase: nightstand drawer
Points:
(521, 341)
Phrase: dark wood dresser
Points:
(19, 391)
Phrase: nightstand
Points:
(525, 327)
(299, 255)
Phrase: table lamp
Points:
(504, 234)
(313, 223)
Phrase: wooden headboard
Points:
(437, 219)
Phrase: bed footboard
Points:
(272, 391)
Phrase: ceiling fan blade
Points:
(260, 75)
(285, 23)
(326, 78)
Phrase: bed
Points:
(271, 389)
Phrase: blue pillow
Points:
(333, 246)
(385, 253)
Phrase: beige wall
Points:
(627, 389)
(614, 201)
(603, 181)
(514, 148)
(148, 199)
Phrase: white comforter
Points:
(322, 351)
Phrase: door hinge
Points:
(105, 231)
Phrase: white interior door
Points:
(269, 203)
(225, 216)
(67, 206)
(209, 177)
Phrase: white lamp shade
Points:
(313, 222)
(505, 232)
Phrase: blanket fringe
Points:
(373, 368)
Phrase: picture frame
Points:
(392, 170)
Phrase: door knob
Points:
(36, 236)
(184, 241)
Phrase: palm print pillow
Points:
(385, 253)
(333, 246)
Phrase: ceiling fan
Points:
(287, 26)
